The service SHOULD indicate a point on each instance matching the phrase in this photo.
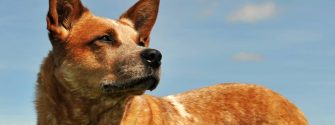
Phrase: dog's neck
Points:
(56, 103)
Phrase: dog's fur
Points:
(95, 75)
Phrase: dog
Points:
(99, 68)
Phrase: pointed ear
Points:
(62, 15)
(142, 16)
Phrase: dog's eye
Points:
(107, 38)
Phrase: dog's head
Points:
(96, 56)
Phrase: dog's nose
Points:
(152, 57)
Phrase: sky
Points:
(285, 45)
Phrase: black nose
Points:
(152, 57)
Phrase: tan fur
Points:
(69, 89)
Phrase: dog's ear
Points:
(143, 17)
(62, 15)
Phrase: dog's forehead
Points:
(92, 26)
(115, 23)
(124, 27)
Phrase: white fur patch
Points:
(179, 107)
(113, 21)
(127, 21)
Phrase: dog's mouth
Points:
(135, 84)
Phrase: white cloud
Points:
(248, 57)
(210, 8)
(207, 12)
(253, 12)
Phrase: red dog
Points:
(99, 68)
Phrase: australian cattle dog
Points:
(99, 68)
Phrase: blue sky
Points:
(288, 46)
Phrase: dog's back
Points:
(223, 104)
